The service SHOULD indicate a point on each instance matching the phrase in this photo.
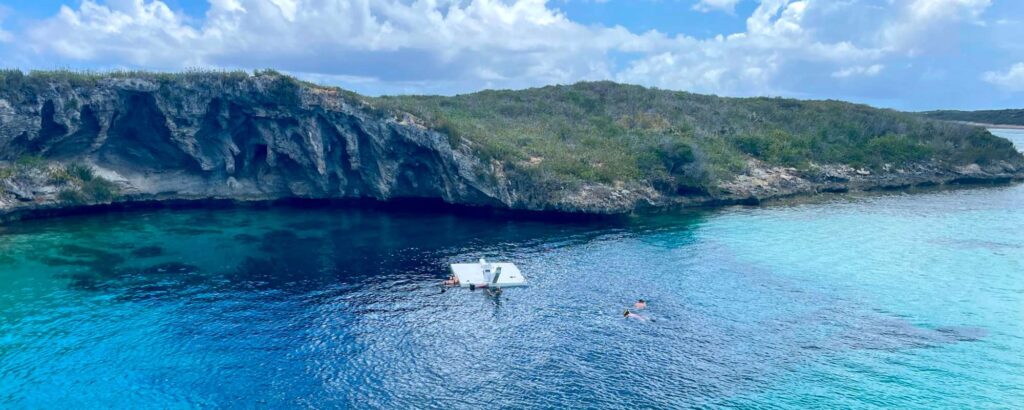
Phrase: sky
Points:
(903, 54)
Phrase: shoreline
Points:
(435, 205)
(993, 126)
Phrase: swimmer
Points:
(640, 304)
(452, 281)
(494, 292)
(630, 315)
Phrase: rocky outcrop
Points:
(263, 137)
(762, 182)
(269, 137)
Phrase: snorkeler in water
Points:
(630, 315)
(640, 304)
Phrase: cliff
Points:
(71, 139)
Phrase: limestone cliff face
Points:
(270, 137)
(264, 137)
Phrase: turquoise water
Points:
(894, 300)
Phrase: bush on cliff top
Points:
(11, 78)
(607, 132)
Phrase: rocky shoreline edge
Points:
(761, 185)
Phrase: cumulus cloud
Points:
(1012, 79)
(450, 46)
(481, 42)
(868, 71)
(133, 32)
(922, 25)
(711, 5)
(745, 63)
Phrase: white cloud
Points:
(745, 63)
(711, 5)
(866, 71)
(921, 25)
(449, 46)
(518, 44)
(1012, 79)
(130, 32)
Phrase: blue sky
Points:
(904, 54)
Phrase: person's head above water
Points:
(641, 301)
(625, 312)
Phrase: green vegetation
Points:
(87, 187)
(16, 86)
(10, 78)
(1001, 117)
(23, 165)
(30, 162)
(607, 132)
(14, 82)
(78, 183)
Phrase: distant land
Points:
(71, 139)
(1011, 117)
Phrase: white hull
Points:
(482, 274)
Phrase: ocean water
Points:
(860, 301)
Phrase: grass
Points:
(80, 184)
(608, 132)
(80, 78)
(283, 86)
(97, 190)
(87, 187)
(561, 133)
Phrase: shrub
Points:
(91, 188)
(778, 147)
(675, 155)
(895, 148)
(285, 90)
(99, 190)
(60, 176)
(80, 172)
(30, 162)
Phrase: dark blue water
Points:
(889, 301)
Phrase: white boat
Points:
(487, 274)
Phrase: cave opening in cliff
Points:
(139, 139)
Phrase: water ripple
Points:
(888, 301)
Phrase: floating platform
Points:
(488, 274)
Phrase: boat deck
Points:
(473, 273)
